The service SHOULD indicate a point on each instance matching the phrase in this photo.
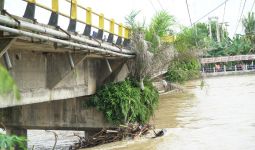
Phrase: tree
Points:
(195, 37)
(149, 59)
(249, 24)
(159, 27)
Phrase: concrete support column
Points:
(246, 67)
(214, 70)
(1, 5)
(235, 68)
(225, 70)
(203, 69)
(17, 132)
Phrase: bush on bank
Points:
(124, 102)
(183, 67)
(9, 142)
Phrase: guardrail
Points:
(123, 37)
(228, 69)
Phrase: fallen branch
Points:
(56, 138)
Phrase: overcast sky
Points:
(118, 9)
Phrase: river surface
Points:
(220, 116)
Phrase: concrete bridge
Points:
(58, 69)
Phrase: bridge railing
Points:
(228, 68)
(122, 34)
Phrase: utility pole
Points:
(210, 28)
(214, 19)
(217, 30)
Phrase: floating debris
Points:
(112, 135)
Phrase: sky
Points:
(118, 9)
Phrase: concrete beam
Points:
(55, 74)
(69, 114)
(113, 74)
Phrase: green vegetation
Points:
(249, 26)
(239, 44)
(183, 67)
(124, 102)
(159, 27)
(189, 43)
(8, 86)
(193, 38)
(7, 142)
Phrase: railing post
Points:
(73, 16)
(1, 5)
(101, 27)
(54, 14)
(126, 37)
(225, 70)
(30, 10)
(87, 30)
(120, 33)
(110, 37)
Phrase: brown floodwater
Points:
(219, 116)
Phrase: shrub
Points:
(124, 102)
(183, 67)
(8, 142)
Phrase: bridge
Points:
(217, 66)
(57, 69)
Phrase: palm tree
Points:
(249, 25)
(159, 27)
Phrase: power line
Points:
(210, 11)
(241, 15)
(160, 4)
(252, 5)
(188, 12)
(153, 6)
(224, 11)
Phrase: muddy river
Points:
(219, 116)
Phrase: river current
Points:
(219, 116)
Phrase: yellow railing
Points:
(88, 20)
(168, 39)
